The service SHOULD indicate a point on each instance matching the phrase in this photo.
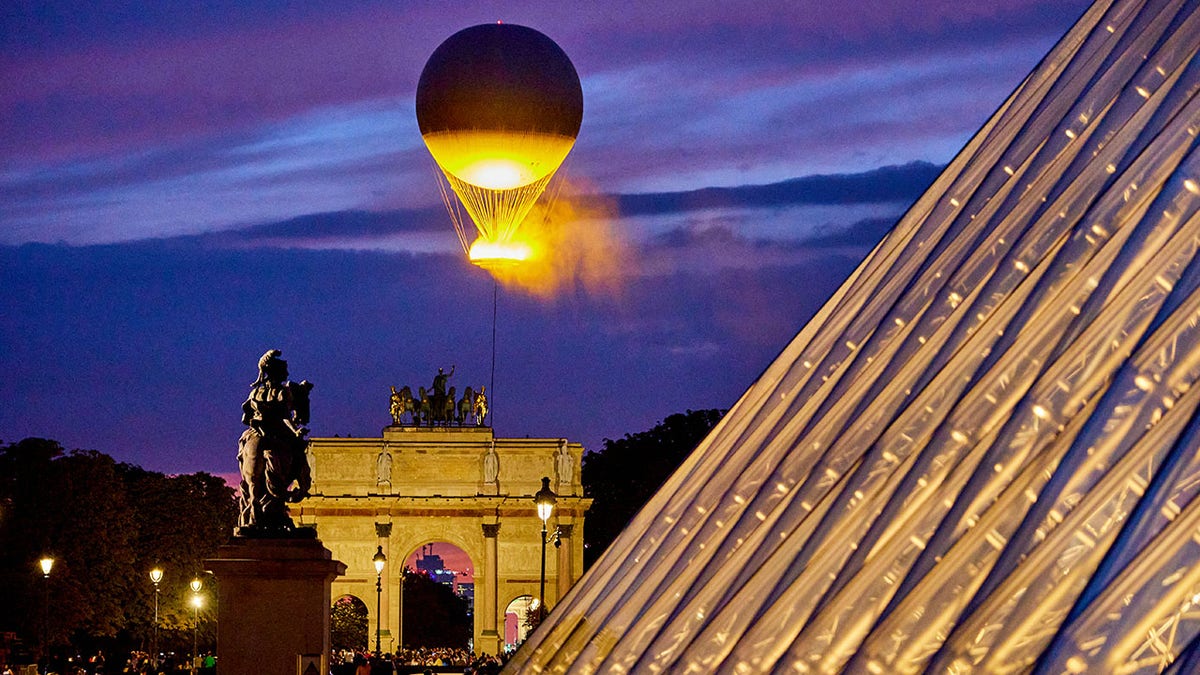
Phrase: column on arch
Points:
(565, 557)
(491, 590)
(391, 571)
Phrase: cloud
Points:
(326, 160)
(580, 215)
(887, 184)
(341, 224)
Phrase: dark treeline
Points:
(626, 473)
(106, 525)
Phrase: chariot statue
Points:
(439, 405)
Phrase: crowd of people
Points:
(137, 663)
(422, 660)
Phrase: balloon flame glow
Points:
(572, 246)
(488, 254)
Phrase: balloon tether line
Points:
(492, 383)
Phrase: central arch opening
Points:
(438, 604)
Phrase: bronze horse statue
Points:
(446, 415)
(401, 404)
(465, 407)
(422, 408)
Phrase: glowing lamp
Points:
(545, 499)
(379, 560)
(46, 564)
(156, 575)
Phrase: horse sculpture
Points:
(401, 404)
(422, 409)
(272, 451)
(446, 414)
(465, 406)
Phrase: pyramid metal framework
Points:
(983, 454)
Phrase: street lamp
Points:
(197, 601)
(46, 562)
(156, 576)
(379, 561)
(544, 499)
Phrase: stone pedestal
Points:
(273, 604)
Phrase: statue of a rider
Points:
(437, 398)
(271, 452)
(440, 380)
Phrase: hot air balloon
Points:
(499, 107)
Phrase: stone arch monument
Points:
(455, 484)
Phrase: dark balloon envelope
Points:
(499, 77)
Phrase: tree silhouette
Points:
(623, 475)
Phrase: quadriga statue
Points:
(271, 452)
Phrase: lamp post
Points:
(196, 602)
(156, 576)
(46, 563)
(544, 499)
(379, 561)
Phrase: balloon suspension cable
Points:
(453, 207)
(492, 383)
(496, 213)
(555, 187)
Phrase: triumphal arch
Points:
(433, 477)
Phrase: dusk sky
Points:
(184, 185)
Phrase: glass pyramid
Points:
(983, 454)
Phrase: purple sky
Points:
(184, 185)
